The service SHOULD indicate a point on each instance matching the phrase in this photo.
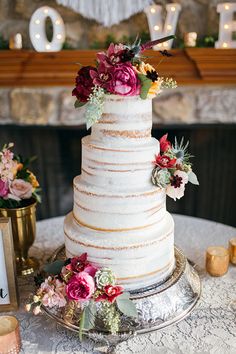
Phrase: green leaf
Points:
(54, 268)
(193, 178)
(146, 83)
(87, 320)
(126, 306)
(89, 315)
(78, 104)
(81, 326)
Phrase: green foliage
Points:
(145, 85)
(3, 43)
(79, 104)
(87, 320)
(54, 268)
(126, 306)
(193, 178)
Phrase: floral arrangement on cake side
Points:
(84, 292)
(18, 185)
(121, 70)
(173, 169)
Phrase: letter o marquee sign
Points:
(38, 33)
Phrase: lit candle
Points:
(232, 250)
(217, 260)
(9, 335)
(190, 39)
(15, 41)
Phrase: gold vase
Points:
(23, 222)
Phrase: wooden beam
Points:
(187, 66)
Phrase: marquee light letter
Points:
(38, 33)
(156, 28)
(227, 25)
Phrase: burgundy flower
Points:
(176, 181)
(110, 293)
(102, 76)
(80, 264)
(80, 287)
(84, 83)
(124, 80)
(164, 161)
(113, 55)
(164, 143)
(3, 188)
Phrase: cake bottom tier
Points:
(138, 258)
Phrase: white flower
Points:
(176, 189)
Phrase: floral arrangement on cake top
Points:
(85, 293)
(173, 169)
(18, 185)
(121, 70)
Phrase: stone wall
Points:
(196, 15)
(55, 106)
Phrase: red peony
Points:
(124, 80)
(164, 161)
(84, 83)
(80, 287)
(164, 143)
(110, 293)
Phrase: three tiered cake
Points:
(119, 217)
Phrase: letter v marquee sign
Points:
(157, 29)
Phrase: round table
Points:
(210, 328)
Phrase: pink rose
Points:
(124, 80)
(80, 287)
(21, 189)
(3, 188)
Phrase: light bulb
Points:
(59, 36)
(159, 45)
(226, 7)
(37, 22)
(226, 26)
(37, 36)
(48, 46)
(57, 22)
(45, 11)
(165, 44)
(153, 10)
(169, 27)
(156, 28)
(172, 8)
(225, 45)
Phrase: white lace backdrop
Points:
(106, 12)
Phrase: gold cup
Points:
(23, 222)
(232, 250)
(217, 260)
(10, 341)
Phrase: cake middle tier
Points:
(105, 209)
(118, 169)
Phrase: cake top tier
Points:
(119, 71)
(124, 119)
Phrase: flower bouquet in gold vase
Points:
(19, 194)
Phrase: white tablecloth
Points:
(210, 328)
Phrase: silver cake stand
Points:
(158, 306)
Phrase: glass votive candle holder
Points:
(232, 250)
(10, 341)
(217, 260)
(190, 39)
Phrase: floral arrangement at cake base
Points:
(173, 169)
(84, 292)
(19, 194)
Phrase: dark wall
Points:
(59, 160)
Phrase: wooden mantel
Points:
(187, 66)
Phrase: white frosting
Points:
(119, 217)
(136, 257)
